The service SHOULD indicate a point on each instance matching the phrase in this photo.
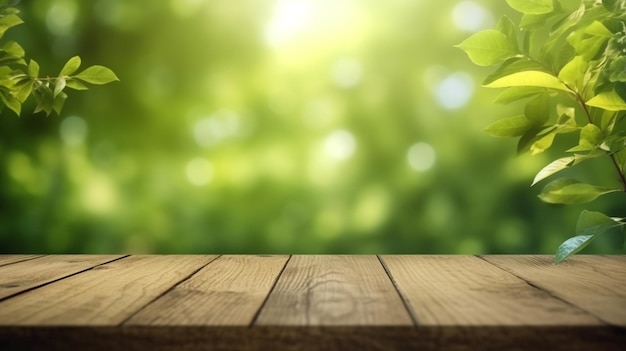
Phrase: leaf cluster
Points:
(562, 51)
(20, 79)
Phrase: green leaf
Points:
(571, 246)
(507, 127)
(589, 222)
(537, 110)
(23, 89)
(75, 84)
(615, 6)
(554, 167)
(509, 29)
(518, 93)
(513, 65)
(607, 121)
(617, 68)
(488, 47)
(573, 73)
(14, 49)
(71, 66)
(529, 21)
(596, 28)
(553, 49)
(570, 192)
(33, 69)
(97, 75)
(58, 103)
(586, 46)
(543, 143)
(528, 138)
(566, 120)
(590, 225)
(529, 79)
(59, 85)
(7, 22)
(44, 99)
(533, 7)
(609, 100)
(11, 102)
(591, 136)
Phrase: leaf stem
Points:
(618, 169)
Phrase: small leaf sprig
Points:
(569, 64)
(19, 81)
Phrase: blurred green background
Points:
(262, 126)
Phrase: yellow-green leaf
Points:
(532, 7)
(488, 47)
(552, 168)
(33, 69)
(508, 127)
(70, 66)
(570, 192)
(543, 143)
(97, 75)
(75, 84)
(59, 85)
(609, 100)
(573, 73)
(529, 79)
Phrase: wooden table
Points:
(309, 302)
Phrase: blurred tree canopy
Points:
(262, 126)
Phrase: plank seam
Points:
(404, 299)
(22, 260)
(544, 290)
(269, 293)
(60, 278)
(124, 321)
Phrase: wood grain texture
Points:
(337, 338)
(619, 258)
(25, 275)
(105, 295)
(229, 291)
(465, 290)
(334, 290)
(596, 284)
(9, 259)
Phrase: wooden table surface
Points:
(311, 302)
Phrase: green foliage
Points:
(560, 53)
(589, 226)
(20, 80)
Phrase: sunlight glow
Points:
(313, 25)
(340, 145)
(290, 18)
(199, 171)
(73, 130)
(215, 128)
(99, 195)
(421, 157)
(347, 72)
(471, 17)
(61, 17)
(455, 90)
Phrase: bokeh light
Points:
(270, 126)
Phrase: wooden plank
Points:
(228, 291)
(620, 258)
(105, 295)
(465, 290)
(311, 338)
(21, 276)
(334, 290)
(594, 283)
(9, 259)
